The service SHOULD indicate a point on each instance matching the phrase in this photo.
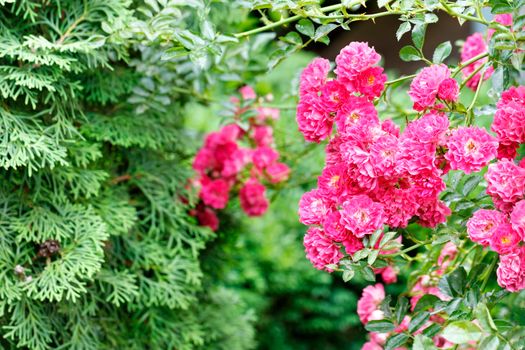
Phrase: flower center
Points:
(371, 79)
(334, 180)
(470, 146)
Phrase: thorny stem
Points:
(470, 116)
(468, 62)
(292, 19)
(476, 71)
(415, 246)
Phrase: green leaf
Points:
(368, 274)
(442, 52)
(323, 31)
(422, 342)
(348, 275)
(373, 239)
(293, 38)
(372, 256)
(305, 27)
(426, 302)
(432, 330)
(483, 316)
(396, 341)
(461, 332)
(418, 35)
(489, 343)
(403, 28)
(382, 3)
(500, 6)
(470, 184)
(409, 53)
(418, 321)
(360, 254)
(380, 326)
(401, 309)
(453, 284)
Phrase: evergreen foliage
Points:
(96, 249)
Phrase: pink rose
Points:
(277, 172)
(368, 304)
(505, 239)
(215, 193)
(511, 270)
(253, 198)
(321, 250)
(483, 224)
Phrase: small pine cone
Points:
(48, 248)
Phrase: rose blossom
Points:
(262, 135)
(208, 217)
(353, 59)
(511, 270)
(505, 239)
(247, 93)
(483, 224)
(264, 156)
(508, 150)
(253, 198)
(470, 149)
(509, 120)
(277, 172)
(362, 216)
(321, 250)
(314, 76)
(215, 193)
(426, 85)
(368, 304)
(313, 207)
(505, 181)
(355, 111)
(333, 95)
(370, 82)
(314, 122)
(517, 218)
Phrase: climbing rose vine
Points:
(439, 192)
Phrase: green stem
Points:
(292, 19)
(390, 82)
(415, 246)
(468, 62)
(489, 272)
(470, 116)
(476, 71)
(453, 13)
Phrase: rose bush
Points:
(438, 191)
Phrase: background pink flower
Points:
(368, 304)
(215, 193)
(253, 198)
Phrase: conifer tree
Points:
(96, 248)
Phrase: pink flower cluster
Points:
(237, 159)
(374, 175)
(503, 229)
